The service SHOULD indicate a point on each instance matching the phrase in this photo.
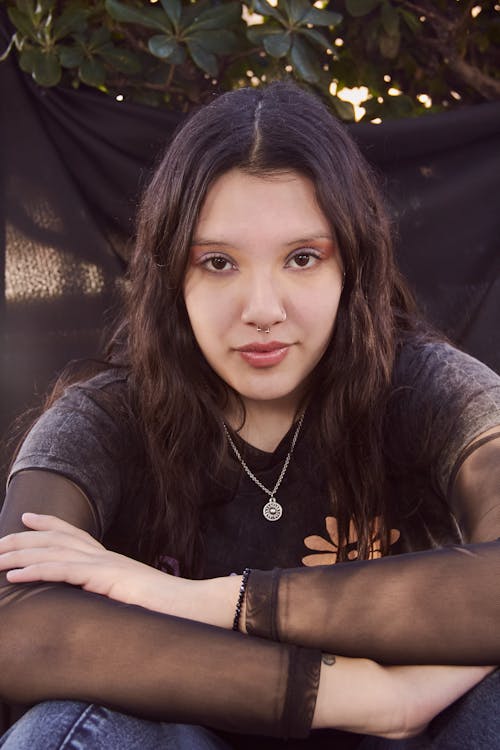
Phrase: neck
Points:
(265, 423)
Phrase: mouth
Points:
(257, 346)
(264, 355)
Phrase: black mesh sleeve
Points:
(440, 606)
(60, 642)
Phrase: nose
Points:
(264, 304)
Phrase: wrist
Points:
(358, 695)
(214, 601)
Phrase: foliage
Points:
(177, 52)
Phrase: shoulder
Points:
(88, 436)
(421, 363)
(109, 386)
(442, 398)
(438, 374)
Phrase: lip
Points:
(258, 346)
(264, 355)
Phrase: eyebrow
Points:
(304, 240)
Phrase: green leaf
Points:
(204, 59)
(257, 33)
(344, 110)
(390, 19)
(219, 17)
(359, 8)
(317, 37)
(319, 17)
(27, 59)
(400, 106)
(70, 57)
(162, 45)
(70, 20)
(221, 42)
(173, 9)
(123, 60)
(92, 72)
(265, 9)
(46, 67)
(413, 22)
(99, 38)
(296, 9)
(144, 17)
(304, 61)
(23, 23)
(277, 45)
(27, 7)
(389, 45)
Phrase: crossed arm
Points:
(124, 645)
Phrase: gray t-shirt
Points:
(438, 390)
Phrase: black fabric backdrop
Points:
(72, 164)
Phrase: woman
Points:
(270, 401)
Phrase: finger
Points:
(76, 574)
(44, 522)
(24, 557)
(25, 539)
(55, 572)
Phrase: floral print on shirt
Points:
(327, 550)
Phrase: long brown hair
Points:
(179, 401)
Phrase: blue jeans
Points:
(70, 725)
(472, 723)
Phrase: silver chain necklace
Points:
(272, 510)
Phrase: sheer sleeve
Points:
(59, 641)
(439, 606)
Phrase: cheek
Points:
(317, 314)
(208, 313)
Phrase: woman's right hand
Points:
(55, 550)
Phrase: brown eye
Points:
(218, 264)
(302, 259)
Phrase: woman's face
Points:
(263, 257)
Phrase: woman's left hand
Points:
(56, 551)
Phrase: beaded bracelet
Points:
(241, 594)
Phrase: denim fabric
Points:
(70, 725)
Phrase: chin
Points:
(270, 393)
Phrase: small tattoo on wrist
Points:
(328, 659)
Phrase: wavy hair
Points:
(179, 401)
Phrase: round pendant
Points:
(272, 510)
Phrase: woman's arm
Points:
(441, 606)
(358, 695)
(59, 641)
(80, 645)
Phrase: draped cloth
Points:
(73, 164)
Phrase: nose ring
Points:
(263, 330)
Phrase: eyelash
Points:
(315, 254)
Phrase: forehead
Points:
(282, 205)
